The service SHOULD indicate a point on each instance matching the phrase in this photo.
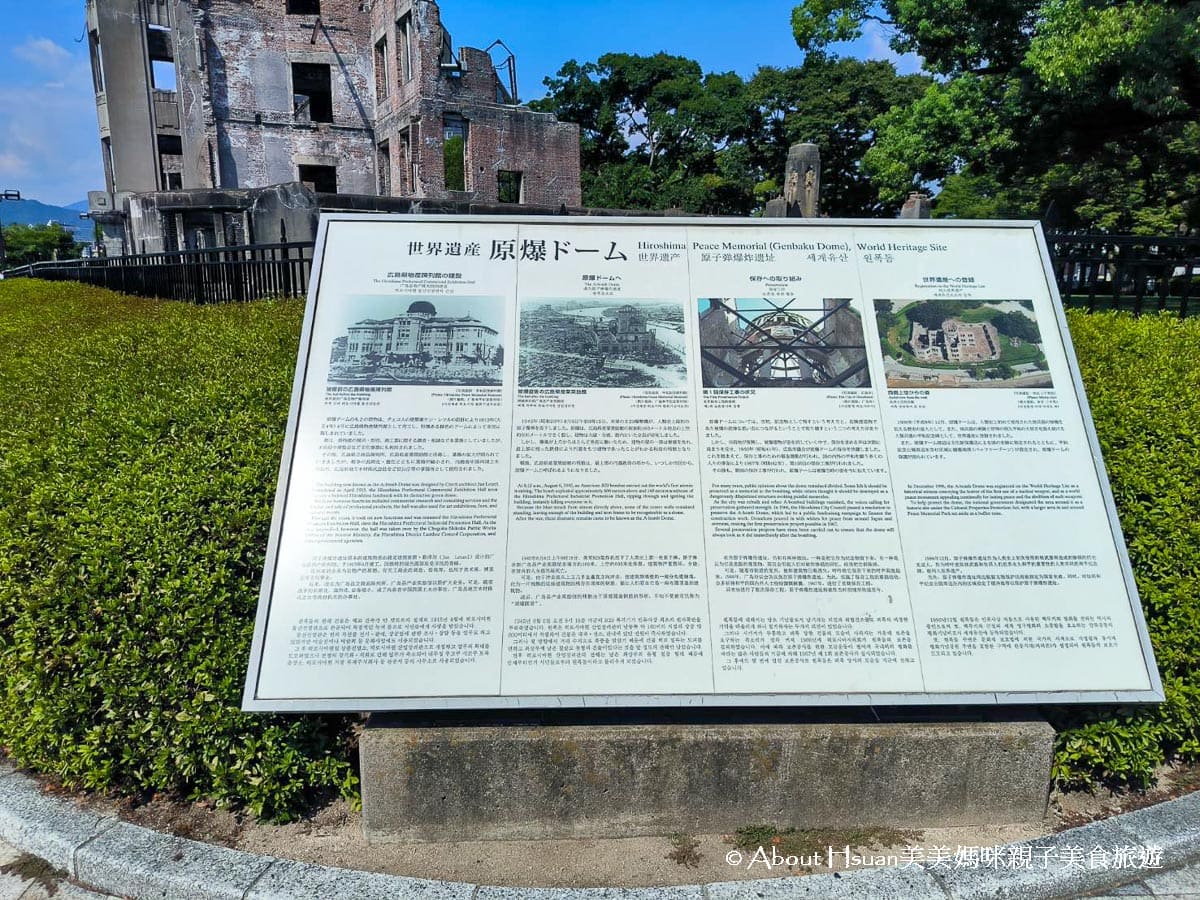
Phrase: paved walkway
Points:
(1182, 884)
(25, 877)
(129, 861)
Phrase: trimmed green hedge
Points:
(1143, 383)
(139, 448)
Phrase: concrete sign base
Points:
(589, 781)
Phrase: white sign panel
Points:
(632, 462)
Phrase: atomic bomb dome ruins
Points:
(226, 122)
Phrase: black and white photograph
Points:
(420, 341)
(761, 342)
(592, 344)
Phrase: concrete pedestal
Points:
(499, 782)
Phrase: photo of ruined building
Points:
(949, 343)
(588, 343)
(955, 341)
(767, 343)
(226, 122)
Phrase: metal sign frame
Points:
(252, 703)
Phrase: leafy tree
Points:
(452, 158)
(658, 133)
(932, 313)
(27, 244)
(1017, 325)
(1086, 112)
(832, 103)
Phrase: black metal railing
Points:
(1126, 272)
(218, 275)
(1095, 272)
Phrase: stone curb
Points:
(114, 857)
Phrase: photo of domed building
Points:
(767, 343)
(422, 346)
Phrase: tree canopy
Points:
(659, 133)
(25, 244)
(1083, 112)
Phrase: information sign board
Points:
(633, 462)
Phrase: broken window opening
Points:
(110, 177)
(304, 7)
(406, 166)
(510, 186)
(170, 161)
(454, 152)
(319, 179)
(381, 70)
(384, 164)
(404, 46)
(162, 74)
(447, 61)
(158, 44)
(97, 61)
(312, 92)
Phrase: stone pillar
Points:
(917, 206)
(801, 185)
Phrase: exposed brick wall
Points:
(240, 129)
(499, 136)
(247, 49)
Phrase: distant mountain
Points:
(32, 212)
(80, 206)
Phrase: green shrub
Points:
(139, 448)
(1143, 383)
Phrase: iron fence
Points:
(217, 275)
(1137, 274)
(1132, 273)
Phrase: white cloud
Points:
(12, 164)
(49, 145)
(44, 54)
(876, 36)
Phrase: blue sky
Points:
(49, 148)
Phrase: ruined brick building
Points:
(213, 113)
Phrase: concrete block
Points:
(130, 860)
(45, 826)
(288, 880)
(1173, 827)
(895, 884)
(1184, 881)
(686, 892)
(519, 782)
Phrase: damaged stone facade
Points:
(348, 97)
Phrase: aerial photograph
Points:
(586, 343)
(768, 343)
(961, 344)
